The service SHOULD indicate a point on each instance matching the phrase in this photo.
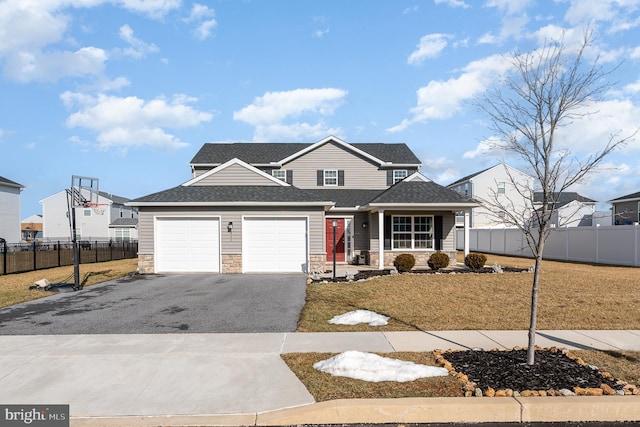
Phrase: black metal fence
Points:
(22, 257)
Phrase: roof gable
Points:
(628, 198)
(261, 178)
(277, 154)
(509, 170)
(8, 183)
(418, 192)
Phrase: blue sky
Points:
(128, 90)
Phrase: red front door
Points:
(339, 239)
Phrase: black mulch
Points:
(365, 274)
(501, 370)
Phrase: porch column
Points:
(381, 239)
(466, 232)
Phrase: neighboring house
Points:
(32, 228)
(274, 207)
(626, 209)
(10, 210)
(115, 221)
(570, 209)
(499, 184)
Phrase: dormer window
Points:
(280, 174)
(399, 175)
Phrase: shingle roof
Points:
(346, 197)
(421, 192)
(563, 199)
(8, 182)
(468, 177)
(115, 199)
(124, 222)
(628, 196)
(227, 194)
(268, 152)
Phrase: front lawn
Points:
(572, 296)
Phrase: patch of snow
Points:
(360, 316)
(374, 368)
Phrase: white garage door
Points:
(187, 245)
(274, 245)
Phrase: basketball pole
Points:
(76, 251)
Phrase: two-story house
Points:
(498, 188)
(10, 210)
(274, 207)
(626, 209)
(112, 221)
(569, 209)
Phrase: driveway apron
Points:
(157, 304)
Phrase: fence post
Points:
(59, 261)
(35, 265)
(635, 244)
(4, 257)
(597, 243)
(96, 246)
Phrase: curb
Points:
(407, 410)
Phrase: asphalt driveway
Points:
(154, 304)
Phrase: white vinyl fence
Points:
(617, 245)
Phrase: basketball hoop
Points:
(97, 208)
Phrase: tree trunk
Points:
(534, 299)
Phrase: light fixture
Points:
(230, 226)
(334, 223)
(365, 224)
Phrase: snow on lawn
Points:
(360, 316)
(374, 368)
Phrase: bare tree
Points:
(547, 89)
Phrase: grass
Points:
(14, 288)
(572, 296)
(322, 386)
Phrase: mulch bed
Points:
(506, 373)
(367, 274)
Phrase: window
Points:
(501, 188)
(280, 174)
(86, 212)
(399, 175)
(330, 177)
(121, 212)
(412, 232)
(123, 235)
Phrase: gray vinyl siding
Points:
(235, 175)
(359, 172)
(231, 243)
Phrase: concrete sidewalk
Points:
(240, 379)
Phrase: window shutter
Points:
(387, 233)
(438, 232)
(340, 178)
(320, 175)
(290, 177)
(390, 177)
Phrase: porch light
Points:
(365, 224)
(230, 226)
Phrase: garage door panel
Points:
(275, 245)
(187, 245)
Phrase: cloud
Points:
(203, 17)
(442, 99)
(453, 3)
(137, 48)
(484, 148)
(618, 15)
(125, 122)
(28, 66)
(430, 46)
(31, 29)
(280, 114)
(514, 20)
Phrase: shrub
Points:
(404, 262)
(475, 261)
(438, 260)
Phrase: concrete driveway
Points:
(154, 304)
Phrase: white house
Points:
(498, 189)
(32, 228)
(10, 210)
(570, 209)
(115, 222)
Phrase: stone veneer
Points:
(421, 257)
(145, 264)
(317, 262)
(231, 263)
